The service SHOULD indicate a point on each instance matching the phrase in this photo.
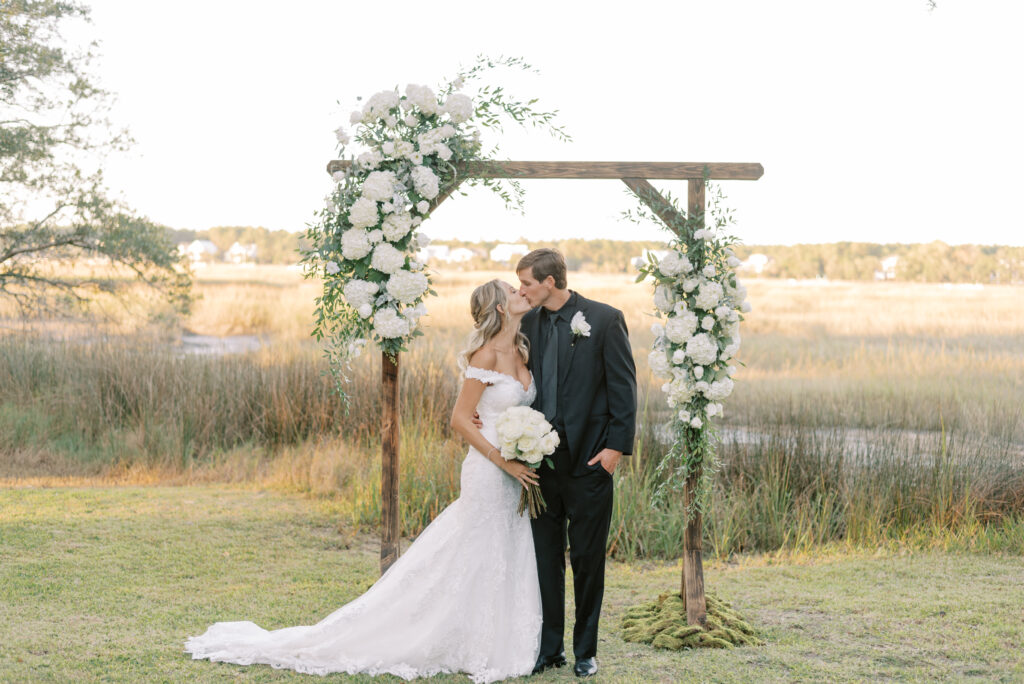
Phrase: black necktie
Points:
(550, 361)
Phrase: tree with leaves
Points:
(54, 210)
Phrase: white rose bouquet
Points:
(525, 436)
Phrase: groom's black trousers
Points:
(584, 502)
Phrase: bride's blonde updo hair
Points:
(488, 320)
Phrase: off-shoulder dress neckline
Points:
(507, 375)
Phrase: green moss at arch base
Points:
(662, 623)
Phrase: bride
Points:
(464, 597)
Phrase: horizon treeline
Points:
(916, 262)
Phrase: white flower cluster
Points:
(459, 107)
(363, 213)
(702, 300)
(388, 323)
(360, 295)
(355, 243)
(383, 198)
(524, 435)
(379, 186)
(425, 182)
(422, 97)
(406, 286)
(387, 259)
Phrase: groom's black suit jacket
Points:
(596, 384)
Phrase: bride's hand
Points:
(522, 472)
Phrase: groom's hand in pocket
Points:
(608, 458)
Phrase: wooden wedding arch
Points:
(635, 175)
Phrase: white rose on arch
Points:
(680, 328)
(731, 348)
(370, 160)
(379, 186)
(459, 107)
(425, 181)
(380, 104)
(664, 298)
(720, 389)
(355, 243)
(406, 286)
(708, 295)
(359, 293)
(423, 97)
(363, 213)
(674, 263)
(388, 323)
(387, 259)
(701, 349)
(396, 226)
(658, 362)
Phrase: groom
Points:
(586, 380)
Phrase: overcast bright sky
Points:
(875, 120)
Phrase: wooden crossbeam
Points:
(598, 169)
(658, 204)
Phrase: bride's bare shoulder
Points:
(485, 357)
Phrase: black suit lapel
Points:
(574, 341)
(531, 328)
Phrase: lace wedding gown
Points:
(463, 597)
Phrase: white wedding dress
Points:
(463, 597)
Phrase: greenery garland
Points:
(365, 241)
(702, 301)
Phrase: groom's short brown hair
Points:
(543, 263)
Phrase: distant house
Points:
(504, 252)
(460, 255)
(446, 254)
(433, 253)
(242, 254)
(201, 251)
(755, 263)
(888, 268)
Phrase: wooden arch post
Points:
(635, 175)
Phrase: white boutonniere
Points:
(579, 326)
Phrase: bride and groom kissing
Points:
(482, 589)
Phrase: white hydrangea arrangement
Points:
(524, 435)
(365, 242)
(702, 301)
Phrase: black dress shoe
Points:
(547, 662)
(585, 667)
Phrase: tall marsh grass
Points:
(866, 414)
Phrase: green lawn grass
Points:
(105, 584)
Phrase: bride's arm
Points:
(462, 422)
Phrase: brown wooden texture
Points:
(598, 169)
(444, 195)
(658, 204)
(693, 565)
(389, 464)
(693, 538)
(695, 201)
